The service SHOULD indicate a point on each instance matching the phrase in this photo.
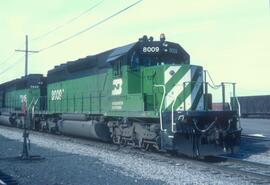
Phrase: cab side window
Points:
(117, 64)
(134, 61)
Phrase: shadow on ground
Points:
(250, 146)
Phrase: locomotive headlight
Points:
(162, 37)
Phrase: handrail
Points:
(173, 131)
(30, 104)
(33, 108)
(230, 107)
(239, 106)
(161, 104)
(239, 111)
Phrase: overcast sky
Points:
(229, 38)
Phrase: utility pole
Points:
(26, 51)
(26, 142)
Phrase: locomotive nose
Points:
(200, 133)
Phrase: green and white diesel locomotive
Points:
(145, 94)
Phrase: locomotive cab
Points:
(163, 87)
(177, 92)
(154, 53)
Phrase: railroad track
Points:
(243, 136)
(257, 172)
(251, 171)
(7, 180)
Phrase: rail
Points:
(256, 170)
(7, 179)
(256, 137)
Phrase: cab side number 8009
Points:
(150, 49)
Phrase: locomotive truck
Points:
(145, 94)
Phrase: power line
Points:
(74, 35)
(56, 28)
(7, 58)
(90, 27)
(67, 22)
(11, 66)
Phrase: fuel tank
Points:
(74, 117)
(88, 129)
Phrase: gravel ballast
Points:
(69, 162)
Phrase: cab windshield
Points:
(152, 60)
(159, 60)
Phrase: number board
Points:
(152, 48)
(156, 48)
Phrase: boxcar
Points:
(255, 106)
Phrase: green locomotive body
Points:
(145, 94)
(27, 90)
(125, 82)
(19, 94)
(133, 94)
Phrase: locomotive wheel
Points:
(115, 140)
(123, 142)
(145, 146)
